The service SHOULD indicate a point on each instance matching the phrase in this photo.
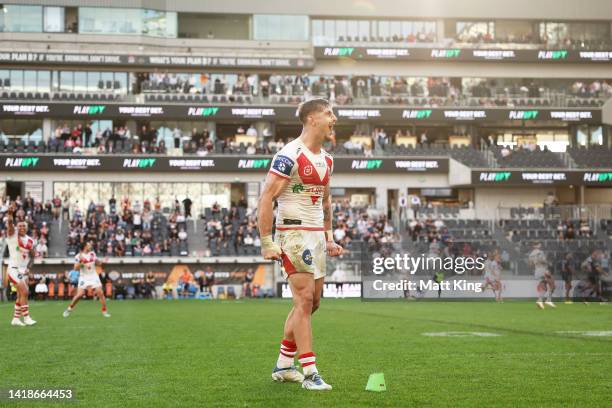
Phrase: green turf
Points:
(220, 353)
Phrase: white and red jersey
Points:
(300, 204)
(19, 251)
(87, 262)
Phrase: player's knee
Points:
(305, 303)
(315, 305)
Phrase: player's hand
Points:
(270, 249)
(333, 249)
(273, 253)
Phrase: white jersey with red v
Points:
(87, 262)
(300, 203)
(19, 250)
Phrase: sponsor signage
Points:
(212, 163)
(396, 114)
(390, 165)
(192, 60)
(541, 177)
(358, 114)
(463, 54)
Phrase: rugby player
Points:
(299, 181)
(86, 262)
(21, 258)
(493, 275)
(546, 283)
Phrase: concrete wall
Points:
(488, 199)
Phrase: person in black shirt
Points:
(567, 274)
(247, 286)
(187, 204)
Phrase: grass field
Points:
(220, 353)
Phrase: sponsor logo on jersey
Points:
(307, 257)
(283, 165)
(297, 188)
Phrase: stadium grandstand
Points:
(148, 128)
(157, 148)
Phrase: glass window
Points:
(280, 27)
(330, 29)
(318, 35)
(29, 81)
(17, 80)
(341, 29)
(364, 30)
(383, 29)
(582, 135)
(21, 19)
(54, 19)
(596, 135)
(80, 81)
(44, 81)
(97, 20)
(93, 79)
(159, 23)
(395, 29)
(352, 28)
(66, 81)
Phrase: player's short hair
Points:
(310, 106)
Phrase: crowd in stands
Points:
(354, 225)
(232, 231)
(36, 214)
(129, 229)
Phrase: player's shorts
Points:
(491, 279)
(540, 275)
(89, 282)
(303, 251)
(567, 277)
(16, 275)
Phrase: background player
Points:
(493, 275)
(299, 181)
(546, 283)
(567, 274)
(86, 261)
(21, 258)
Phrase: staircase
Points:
(58, 231)
(196, 240)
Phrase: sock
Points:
(103, 309)
(17, 313)
(540, 297)
(549, 296)
(25, 310)
(288, 349)
(307, 360)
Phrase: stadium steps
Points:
(57, 238)
(196, 239)
(499, 235)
